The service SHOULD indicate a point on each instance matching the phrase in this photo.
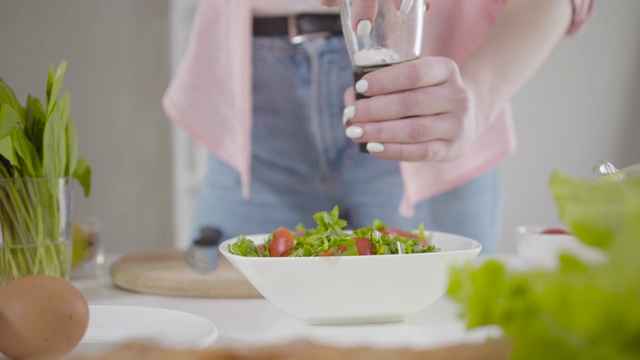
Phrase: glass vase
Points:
(35, 227)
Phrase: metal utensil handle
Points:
(607, 171)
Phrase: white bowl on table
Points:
(355, 289)
(541, 250)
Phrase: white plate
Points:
(117, 324)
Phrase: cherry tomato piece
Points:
(392, 231)
(555, 231)
(364, 246)
(408, 235)
(332, 252)
(283, 242)
(328, 253)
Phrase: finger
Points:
(405, 131)
(429, 100)
(363, 12)
(422, 72)
(349, 109)
(404, 5)
(331, 3)
(436, 150)
(349, 96)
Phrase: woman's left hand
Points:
(415, 111)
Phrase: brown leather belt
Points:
(298, 28)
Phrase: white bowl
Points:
(542, 251)
(355, 289)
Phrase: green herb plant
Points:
(581, 310)
(38, 159)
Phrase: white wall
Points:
(583, 106)
(118, 69)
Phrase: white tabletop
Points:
(256, 321)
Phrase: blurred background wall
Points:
(118, 69)
(581, 107)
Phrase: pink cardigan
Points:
(209, 95)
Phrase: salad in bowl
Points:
(330, 239)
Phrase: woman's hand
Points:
(431, 110)
(416, 111)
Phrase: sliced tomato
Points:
(283, 242)
(393, 231)
(328, 253)
(332, 252)
(555, 231)
(364, 246)
(408, 235)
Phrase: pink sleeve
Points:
(210, 94)
(582, 10)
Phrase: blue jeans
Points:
(303, 163)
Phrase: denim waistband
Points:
(280, 45)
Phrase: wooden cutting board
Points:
(167, 273)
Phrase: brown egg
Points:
(41, 317)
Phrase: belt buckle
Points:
(294, 33)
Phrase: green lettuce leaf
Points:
(594, 210)
(579, 311)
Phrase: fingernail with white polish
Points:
(349, 112)
(362, 86)
(364, 28)
(405, 6)
(354, 132)
(344, 120)
(375, 147)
